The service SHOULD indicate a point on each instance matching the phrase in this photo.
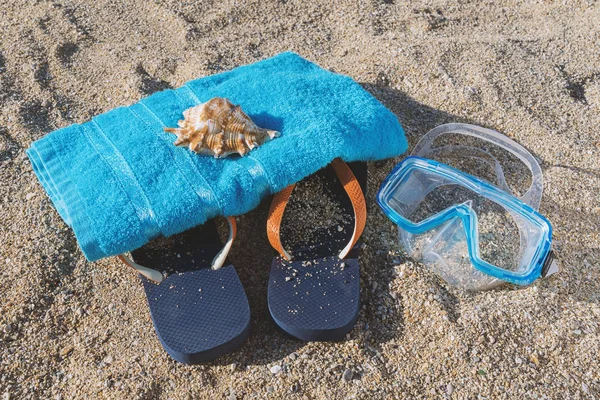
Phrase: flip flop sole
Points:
(317, 296)
(198, 313)
(317, 300)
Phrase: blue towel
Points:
(119, 181)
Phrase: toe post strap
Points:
(152, 274)
(280, 201)
(352, 189)
(221, 256)
(217, 262)
(357, 198)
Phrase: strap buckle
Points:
(550, 266)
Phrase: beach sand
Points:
(529, 69)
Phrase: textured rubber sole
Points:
(198, 314)
(316, 301)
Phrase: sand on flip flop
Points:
(530, 69)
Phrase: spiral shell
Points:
(219, 128)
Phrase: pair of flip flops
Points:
(199, 307)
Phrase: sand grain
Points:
(73, 329)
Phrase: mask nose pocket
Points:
(444, 251)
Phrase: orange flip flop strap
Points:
(217, 262)
(352, 188)
(357, 197)
(278, 205)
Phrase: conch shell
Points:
(219, 128)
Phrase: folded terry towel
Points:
(119, 181)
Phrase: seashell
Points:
(219, 128)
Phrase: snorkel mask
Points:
(471, 233)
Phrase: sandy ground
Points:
(531, 69)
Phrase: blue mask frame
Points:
(468, 217)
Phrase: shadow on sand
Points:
(252, 255)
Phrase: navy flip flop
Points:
(314, 289)
(199, 313)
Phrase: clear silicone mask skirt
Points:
(472, 233)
